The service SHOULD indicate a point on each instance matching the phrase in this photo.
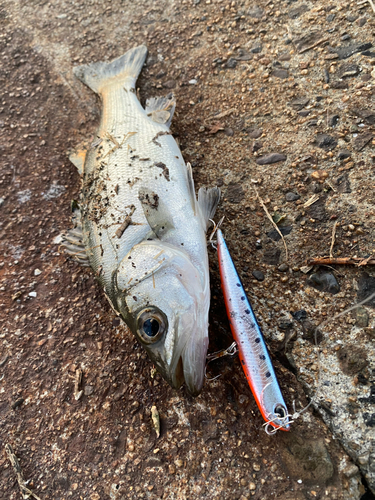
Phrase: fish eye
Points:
(280, 411)
(151, 325)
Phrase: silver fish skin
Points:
(143, 227)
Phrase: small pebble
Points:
(300, 315)
(343, 154)
(351, 18)
(258, 275)
(255, 133)
(348, 69)
(283, 268)
(280, 73)
(348, 50)
(364, 458)
(326, 142)
(256, 49)
(231, 63)
(170, 84)
(88, 390)
(292, 196)
(350, 471)
(362, 317)
(37, 272)
(17, 403)
(270, 158)
(332, 120)
(324, 282)
(32, 294)
(285, 325)
(361, 21)
(319, 175)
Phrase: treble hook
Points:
(216, 227)
(229, 351)
(284, 422)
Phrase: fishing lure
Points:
(253, 353)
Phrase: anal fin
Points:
(161, 109)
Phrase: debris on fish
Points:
(252, 349)
(141, 227)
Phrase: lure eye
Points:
(280, 411)
(151, 325)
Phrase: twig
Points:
(330, 185)
(25, 492)
(355, 261)
(314, 198)
(366, 261)
(367, 1)
(223, 114)
(272, 221)
(333, 240)
(351, 308)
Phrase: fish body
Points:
(253, 353)
(143, 228)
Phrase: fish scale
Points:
(124, 173)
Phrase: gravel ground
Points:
(274, 98)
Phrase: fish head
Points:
(164, 300)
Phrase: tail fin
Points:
(125, 68)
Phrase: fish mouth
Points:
(193, 380)
(189, 366)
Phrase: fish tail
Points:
(123, 70)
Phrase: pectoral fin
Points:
(156, 212)
(73, 239)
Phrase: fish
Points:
(139, 224)
(254, 356)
